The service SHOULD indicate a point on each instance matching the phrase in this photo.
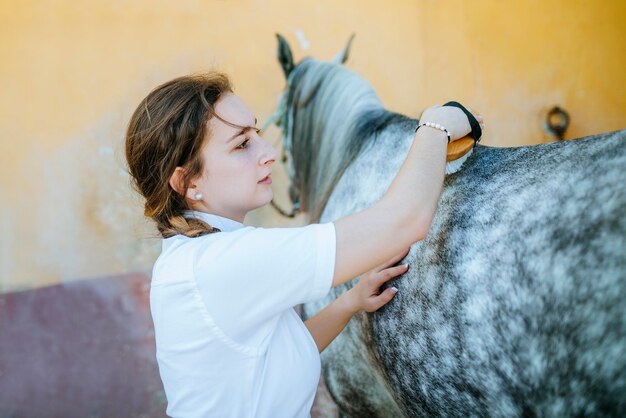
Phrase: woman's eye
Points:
(244, 144)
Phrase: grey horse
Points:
(514, 303)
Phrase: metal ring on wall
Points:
(557, 122)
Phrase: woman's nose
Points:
(269, 154)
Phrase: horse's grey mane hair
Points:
(315, 96)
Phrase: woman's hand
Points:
(452, 118)
(366, 294)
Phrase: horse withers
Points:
(513, 305)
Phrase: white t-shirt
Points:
(228, 341)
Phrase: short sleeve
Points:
(249, 276)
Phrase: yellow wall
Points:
(72, 72)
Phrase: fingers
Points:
(387, 295)
(393, 260)
(479, 118)
(385, 275)
(375, 281)
(382, 299)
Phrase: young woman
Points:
(229, 343)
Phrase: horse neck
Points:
(330, 130)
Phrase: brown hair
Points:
(167, 130)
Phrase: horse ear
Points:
(284, 55)
(342, 56)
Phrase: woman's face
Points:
(236, 159)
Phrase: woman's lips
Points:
(266, 180)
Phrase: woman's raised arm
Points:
(404, 214)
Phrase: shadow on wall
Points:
(80, 349)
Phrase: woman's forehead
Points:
(231, 108)
(231, 118)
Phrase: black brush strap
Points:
(476, 130)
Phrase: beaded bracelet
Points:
(436, 126)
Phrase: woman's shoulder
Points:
(233, 246)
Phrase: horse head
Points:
(327, 114)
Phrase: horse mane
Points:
(333, 113)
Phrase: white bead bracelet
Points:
(436, 126)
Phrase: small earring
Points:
(198, 196)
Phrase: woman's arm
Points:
(404, 214)
(330, 321)
(366, 296)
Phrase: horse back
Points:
(513, 303)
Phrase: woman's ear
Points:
(176, 181)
